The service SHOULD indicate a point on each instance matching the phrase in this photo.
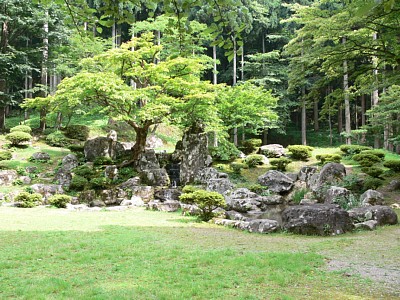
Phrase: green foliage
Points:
(28, 200)
(100, 183)
(348, 202)
(103, 160)
(300, 152)
(237, 167)
(57, 139)
(254, 160)
(258, 189)
(59, 201)
(76, 148)
(190, 189)
(373, 171)
(84, 171)
(226, 151)
(78, 183)
(21, 171)
(366, 159)
(378, 153)
(299, 195)
(18, 137)
(127, 172)
(5, 155)
(352, 182)
(206, 201)
(371, 183)
(350, 150)
(393, 165)
(48, 131)
(327, 158)
(22, 128)
(77, 132)
(250, 146)
(280, 164)
(17, 182)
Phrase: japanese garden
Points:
(228, 149)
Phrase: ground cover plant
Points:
(142, 254)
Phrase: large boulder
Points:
(69, 162)
(276, 181)
(306, 173)
(318, 219)
(47, 190)
(40, 156)
(153, 141)
(194, 156)
(338, 195)
(214, 180)
(148, 160)
(168, 206)
(64, 173)
(155, 177)
(103, 146)
(384, 215)
(330, 174)
(242, 200)
(166, 194)
(220, 185)
(8, 176)
(371, 197)
(272, 150)
(263, 226)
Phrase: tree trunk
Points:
(263, 52)
(140, 143)
(242, 65)
(235, 136)
(375, 93)
(215, 65)
(2, 119)
(303, 117)
(340, 119)
(43, 80)
(234, 61)
(347, 115)
(316, 112)
(363, 110)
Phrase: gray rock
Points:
(219, 185)
(308, 201)
(367, 225)
(168, 206)
(112, 135)
(134, 201)
(194, 156)
(8, 176)
(146, 193)
(154, 142)
(102, 146)
(306, 173)
(276, 181)
(130, 183)
(87, 196)
(330, 174)
(47, 190)
(234, 215)
(166, 194)
(63, 177)
(371, 197)
(336, 194)
(43, 156)
(190, 209)
(263, 226)
(271, 199)
(69, 162)
(25, 179)
(155, 177)
(148, 160)
(318, 219)
(384, 215)
(293, 176)
(31, 169)
(272, 150)
(394, 185)
(111, 172)
(97, 203)
(242, 200)
(109, 197)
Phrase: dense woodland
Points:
(234, 68)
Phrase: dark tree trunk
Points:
(140, 143)
(2, 119)
(316, 113)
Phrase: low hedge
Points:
(300, 152)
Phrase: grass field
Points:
(136, 254)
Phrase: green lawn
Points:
(136, 254)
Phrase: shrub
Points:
(353, 149)
(48, 131)
(237, 167)
(127, 172)
(103, 160)
(78, 132)
(190, 189)
(84, 171)
(299, 195)
(372, 183)
(18, 137)
(17, 182)
(327, 158)
(59, 201)
(206, 201)
(366, 160)
(254, 160)
(259, 189)
(393, 165)
(300, 152)
(78, 183)
(280, 164)
(226, 151)
(379, 153)
(28, 200)
(352, 182)
(76, 148)
(100, 183)
(57, 139)
(251, 146)
(21, 128)
(5, 155)
(373, 171)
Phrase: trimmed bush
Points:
(237, 167)
(100, 183)
(251, 146)
(254, 160)
(84, 171)
(226, 151)
(102, 161)
(78, 132)
(57, 139)
(353, 149)
(22, 128)
(300, 152)
(190, 189)
(76, 148)
(327, 158)
(280, 164)
(393, 165)
(372, 183)
(18, 137)
(206, 201)
(5, 155)
(379, 153)
(28, 200)
(366, 160)
(373, 171)
(78, 183)
(59, 201)
(127, 172)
